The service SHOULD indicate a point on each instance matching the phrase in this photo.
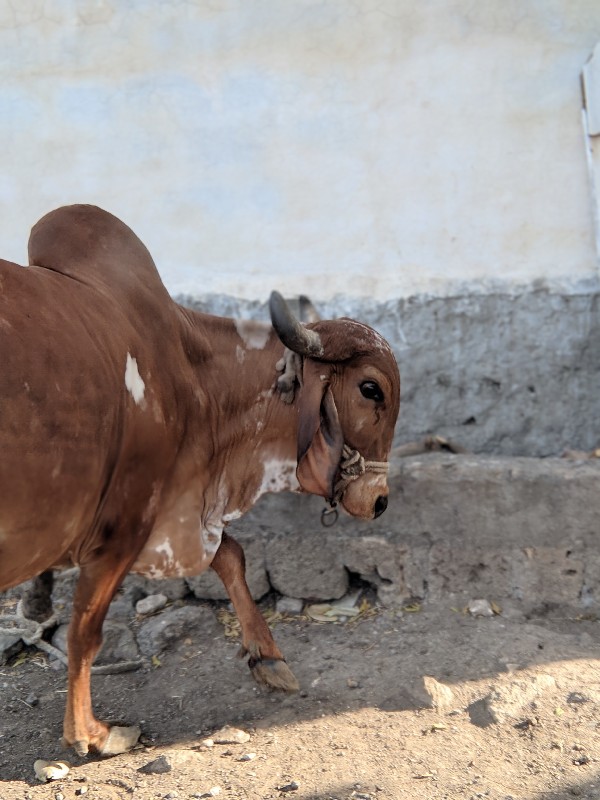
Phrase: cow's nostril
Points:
(380, 505)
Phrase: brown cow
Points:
(132, 430)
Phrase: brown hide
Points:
(70, 431)
(132, 430)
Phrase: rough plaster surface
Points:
(375, 147)
(513, 374)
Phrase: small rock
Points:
(229, 735)
(352, 684)
(581, 761)
(135, 587)
(157, 634)
(480, 608)
(118, 643)
(59, 796)
(247, 757)
(50, 770)
(171, 795)
(120, 608)
(10, 645)
(159, 766)
(577, 698)
(32, 699)
(289, 787)
(289, 605)
(480, 713)
(81, 790)
(442, 698)
(208, 743)
(150, 604)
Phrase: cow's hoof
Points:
(81, 748)
(274, 673)
(120, 740)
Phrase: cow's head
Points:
(348, 403)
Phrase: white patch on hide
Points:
(133, 380)
(372, 337)
(166, 549)
(279, 475)
(156, 574)
(240, 354)
(211, 538)
(255, 335)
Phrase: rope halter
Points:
(352, 467)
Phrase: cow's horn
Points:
(294, 335)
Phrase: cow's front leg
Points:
(266, 660)
(98, 582)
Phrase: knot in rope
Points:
(30, 632)
(352, 467)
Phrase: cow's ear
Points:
(320, 438)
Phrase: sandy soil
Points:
(520, 720)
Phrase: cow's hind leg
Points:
(266, 660)
(98, 582)
(37, 601)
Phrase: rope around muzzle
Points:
(352, 467)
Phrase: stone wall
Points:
(517, 531)
(511, 374)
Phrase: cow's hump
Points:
(88, 244)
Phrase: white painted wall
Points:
(362, 147)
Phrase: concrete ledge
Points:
(523, 532)
(458, 527)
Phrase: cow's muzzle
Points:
(365, 498)
(380, 506)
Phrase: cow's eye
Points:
(371, 391)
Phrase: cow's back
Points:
(78, 331)
(92, 246)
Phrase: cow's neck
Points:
(238, 442)
(252, 432)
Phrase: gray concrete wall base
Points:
(518, 530)
(522, 532)
(501, 373)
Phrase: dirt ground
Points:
(521, 719)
